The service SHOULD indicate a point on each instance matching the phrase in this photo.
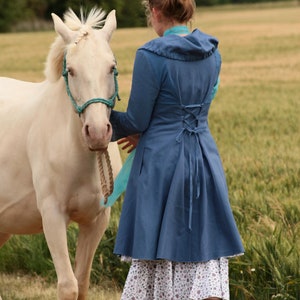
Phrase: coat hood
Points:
(194, 46)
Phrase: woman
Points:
(176, 223)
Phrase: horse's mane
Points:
(95, 19)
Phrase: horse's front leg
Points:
(89, 238)
(55, 227)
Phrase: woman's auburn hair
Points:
(181, 11)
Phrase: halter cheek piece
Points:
(80, 108)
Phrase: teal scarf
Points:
(181, 29)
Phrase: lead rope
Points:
(106, 178)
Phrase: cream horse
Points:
(48, 163)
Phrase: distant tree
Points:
(10, 13)
(37, 8)
(129, 12)
(206, 2)
(132, 14)
(56, 6)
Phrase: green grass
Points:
(255, 121)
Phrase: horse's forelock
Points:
(95, 19)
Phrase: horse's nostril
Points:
(108, 127)
(87, 130)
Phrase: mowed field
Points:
(255, 119)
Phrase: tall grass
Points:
(255, 121)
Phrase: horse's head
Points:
(89, 69)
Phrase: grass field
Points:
(255, 121)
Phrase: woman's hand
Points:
(130, 142)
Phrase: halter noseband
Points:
(80, 108)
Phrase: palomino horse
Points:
(48, 156)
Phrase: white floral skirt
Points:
(166, 280)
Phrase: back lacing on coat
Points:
(192, 126)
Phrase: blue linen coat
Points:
(176, 205)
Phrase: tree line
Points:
(130, 13)
(13, 13)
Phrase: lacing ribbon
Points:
(191, 126)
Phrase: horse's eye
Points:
(71, 71)
(112, 69)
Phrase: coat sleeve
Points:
(144, 91)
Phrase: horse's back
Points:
(13, 91)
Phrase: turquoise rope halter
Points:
(80, 108)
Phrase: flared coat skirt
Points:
(176, 205)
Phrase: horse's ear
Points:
(62, 29)
(110, 24)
